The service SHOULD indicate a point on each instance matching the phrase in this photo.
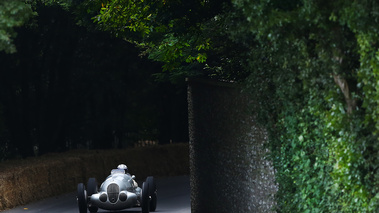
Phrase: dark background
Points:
(73, 87)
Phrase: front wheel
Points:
(82, 198)
(145, 198)
(152, 193)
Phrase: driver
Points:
(124, 167)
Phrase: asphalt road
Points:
(173, 196)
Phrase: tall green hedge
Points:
(314, 72)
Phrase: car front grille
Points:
(113, 190)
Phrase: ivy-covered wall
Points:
(228, 170)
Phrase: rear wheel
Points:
(82, 198)
(152, 193)
(92, 188)
(145, 198)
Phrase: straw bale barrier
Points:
(24, 181)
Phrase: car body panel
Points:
(115, 187)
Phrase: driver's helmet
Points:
(123, 166)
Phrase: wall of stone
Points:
(24, 181)
(228, 170)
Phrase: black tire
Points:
(153, 202)
(145, 198)
(92, 188)
(152, 193)
(82, 198)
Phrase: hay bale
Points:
(55, 174)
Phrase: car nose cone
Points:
(113, 190)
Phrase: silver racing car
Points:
(119, 191)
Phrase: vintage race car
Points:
(119, 191)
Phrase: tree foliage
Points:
(13, 13)
(186, 36)
(314, 55)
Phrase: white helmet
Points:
(123, 166)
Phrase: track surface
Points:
(173, 196)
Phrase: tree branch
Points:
(342, 83)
